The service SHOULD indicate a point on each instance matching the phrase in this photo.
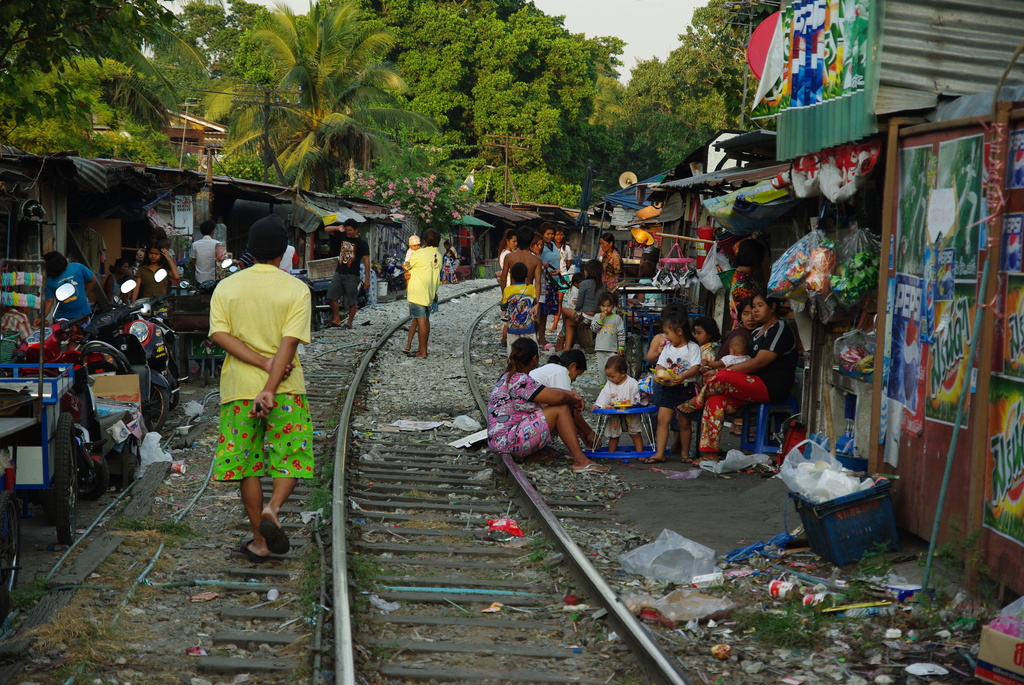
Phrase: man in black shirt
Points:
(345, 284)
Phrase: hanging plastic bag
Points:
(858, 267)
(715, 262)
(820, 265)
(855, 349)
(790, 271)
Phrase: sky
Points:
(650, 28)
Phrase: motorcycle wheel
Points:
(157, 407)
(10, 544)
(60, 502)
(92, 483)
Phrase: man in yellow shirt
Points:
(259, 316)
(425, 274)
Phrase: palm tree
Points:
(344, 100)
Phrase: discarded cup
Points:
(273, 594)
(778, 589)
(178, 467)
(814, 598)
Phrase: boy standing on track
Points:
(259, 316)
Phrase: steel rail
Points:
(344, 664)
(653, 659)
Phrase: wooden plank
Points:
(144, 489)
(479, 508)
(457, 621)
(410, 464)
(447, 647)
(88, 561)
(244, 637)
(431, 549)
(495, 675)
(892, 184)
(225, 664)
(453, 581)
(256, 614)
(259, 572)
(444, 563)
(444, 597)
(426, 532)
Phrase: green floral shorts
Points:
(280, 447)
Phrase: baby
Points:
(737, 354)
(620, 389)
(414, 244)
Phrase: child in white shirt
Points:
(619, 389)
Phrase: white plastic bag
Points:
(734, 461)
(151, 451)
(670, 558)
(816, 475)
(682, 605)
(466, 423)
(714, 262)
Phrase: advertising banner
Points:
(1013, 335)
(917, 172)
(959, 175)
(948, 373)
(906, 354)
(1004, 487)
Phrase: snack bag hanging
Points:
(857, 272)
(790, 271)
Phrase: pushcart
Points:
(643, 320)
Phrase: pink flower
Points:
(456, 215)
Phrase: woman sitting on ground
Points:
(766, 377)
(523, 415)
(560, 372)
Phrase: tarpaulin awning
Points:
(627, 196)
(746, 210)
(468, 220)
(313, 213)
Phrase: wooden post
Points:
(888, 220)
(980, 411)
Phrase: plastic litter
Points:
(273, 594)
(734, 461)
(192, 409)
(196, 651)
(721, 651)
(384, 605)
(204, 597)
(689, 474)
(493, 609)
(816, 475)
(926, 669)
(505, 526)
(151, 452)
(670, 558)
(466, 423)
(1010, 620)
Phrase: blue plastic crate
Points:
(842, 530)
(852, 462)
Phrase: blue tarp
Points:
(627, 196)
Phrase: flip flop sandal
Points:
(590, 468)
(250, 555)
(277, 541)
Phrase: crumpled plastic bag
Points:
(714, 262)
(151, 451)
(192, 409)
(682, 605)
(734, 461)
(670, 558)
(466, 423)
(816, 475)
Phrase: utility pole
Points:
(266, 103)
(506, 147)
(184, 127)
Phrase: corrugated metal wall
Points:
(950, 47)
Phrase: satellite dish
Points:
(627, 179)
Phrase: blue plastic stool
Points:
(762, 421)
(624, 452)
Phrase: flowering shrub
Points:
(435, 202)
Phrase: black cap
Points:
(268, 238)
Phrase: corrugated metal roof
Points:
(506, 213)
(950, 47)
(741, 176)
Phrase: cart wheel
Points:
(634, 354)
(60, 501)
(92, 483)
(10, 546)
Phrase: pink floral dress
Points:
(515, 423)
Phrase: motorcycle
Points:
(158, 340)
(61, 343)
(112, 348)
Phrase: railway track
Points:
(437, 596)
(167, 596)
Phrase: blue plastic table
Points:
(625, 452)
